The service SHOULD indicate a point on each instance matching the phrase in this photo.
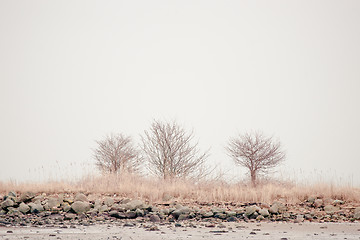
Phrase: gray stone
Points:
(130, 214)
(53, 203)
(330, 209)
(357, 213)
(35, 207)
(218, 210)
(207, 214)
(80, 197)
(26, 196)
(338, 202)
(154, 218)
(139, 212)
(250, 210)
(165, 211)
(134, 204)
(80, 207)
(117, 214)
(183, 217)
(277, 207)
(311, 199)
(230, 213)
(264, 212)
(66, 207)
(318, 203)
(232, 219)
(24, 208)
(7, 203)
(109, 201)
(12, 194)
(178, 212)
(220, 215)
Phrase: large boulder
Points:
(250, 210)
(330, 209)
(357, 213)
(134, 204)
(81, 198)
(26, 197)
(109, 201)
(180, 211)
(7, 203)
(80, 207)
(35, 207)
(24, 208)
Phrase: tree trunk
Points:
(253, 178)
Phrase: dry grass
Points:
(154, 190)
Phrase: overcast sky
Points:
(73, 71)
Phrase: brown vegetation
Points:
(155, 190)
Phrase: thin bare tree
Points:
(170, 153)
(255, 152)
(116, 154)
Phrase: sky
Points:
(72, 72)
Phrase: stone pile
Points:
(39, 209)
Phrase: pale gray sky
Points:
(74, 71)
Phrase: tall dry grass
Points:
(155, 190)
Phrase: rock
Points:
(130, 214)
(274, 209)
(165, 211)
(154, 218)
(311, 199)
(178, 212)
(66, 206)
(109, 201)
(24, 208)
(264, 212)
(299, 218)
(103, 208)
(330, 209)
(220, 215)
(7, 203)
(183, 217)
(318, 203)
(134, 204)
(26, 196)
(139, 213)
(230, 214)
(357, 213)
(218, 210)
(250, 210)
(80, 197)
(232, 219)
(12, 194)
(117, 214)
(35, 207)
(207, 214)
(338, 202)
(80, 207)
(52, 203)
(277, 207)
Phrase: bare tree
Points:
(170, 152)
(116, 154)
(255, 152)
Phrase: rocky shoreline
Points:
(71, 210)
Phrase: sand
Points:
(281, 231)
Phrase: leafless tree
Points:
(255, 152)
(170, 153)
(116, 154)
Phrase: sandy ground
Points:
(281, 231)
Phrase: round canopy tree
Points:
(255, 152)
(116, 154)
(170, 153)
